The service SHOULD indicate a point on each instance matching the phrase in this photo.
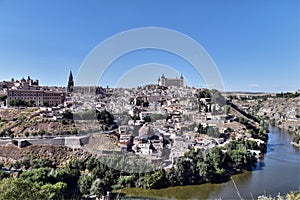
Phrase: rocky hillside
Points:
(100, 142)
(58, 155)
(31, 122)
(20, 122)
(282, 112)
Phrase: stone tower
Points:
(70, 83)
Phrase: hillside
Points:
(58, 155)
(282, 112)
(31, 122)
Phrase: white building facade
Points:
(167, 82)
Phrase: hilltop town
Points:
(160, 126)
(160, 122)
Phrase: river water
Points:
(277, 172)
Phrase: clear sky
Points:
(254, 43)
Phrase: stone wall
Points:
(72, 142)
(76, 142)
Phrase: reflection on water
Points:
(277, 172)
(180, 192)
(259, 166)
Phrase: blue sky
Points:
(255, 44)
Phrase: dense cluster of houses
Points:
(155, 121)
(158, 122)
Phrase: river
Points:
(277, 172)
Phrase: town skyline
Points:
(122, 84)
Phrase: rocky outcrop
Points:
(282, 112)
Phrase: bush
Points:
(3, 98)
(296, 139)
(34, 133)
(67, 114)
(21, 103)
(64, 122)
(15, 142)
(74, 131)
(42, 132)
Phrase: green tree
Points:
(42, 132)
(204, 94)
(185, 171)
(135, 117)
(18, 188)
(147, 119)
(91, 163)
(85, 183)
(213, 132)
(145, 104)
(40, 175)
(67, 114)
(126, 181)
(55, 191)
(156, 180)
(64, 122)
(68, 176)
(202, 129)
(74, 131)
(41, 163)
(138, 103)
(238, 157)
(226, 109)
(250, 144)
(12, 103)
(262, 134)
(26, 163)
(31, 103)
(98, 188)
(105, 116)
(296, 139)
(216, 157)
(3, 97)
(203, 171)
(4, 174)
(172, 177)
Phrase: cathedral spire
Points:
(70, 83)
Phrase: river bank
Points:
(277, 172)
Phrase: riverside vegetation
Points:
(43, 179)
(280, 110)
(79, 178)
